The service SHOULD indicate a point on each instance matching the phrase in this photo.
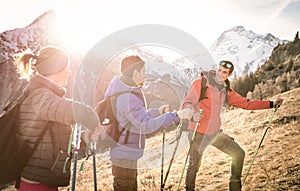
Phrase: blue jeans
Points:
(220, 141)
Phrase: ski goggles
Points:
(226, 64)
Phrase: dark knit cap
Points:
(51, 60)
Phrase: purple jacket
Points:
(133, 109)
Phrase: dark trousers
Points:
(125, 176)
(222, 142)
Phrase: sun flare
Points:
(75, 33)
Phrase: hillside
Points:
(277, 165)
(280, 73)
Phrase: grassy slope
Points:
(277, 165)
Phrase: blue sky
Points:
(205, 20)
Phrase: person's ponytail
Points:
(24, 65)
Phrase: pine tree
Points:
(296, 37)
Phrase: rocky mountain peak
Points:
(246, 49)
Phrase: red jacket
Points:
(212, 106)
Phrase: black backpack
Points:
(110, 133)
(205, 75)
(15, 152)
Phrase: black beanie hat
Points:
(51, 60)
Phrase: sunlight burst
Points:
(75, 32)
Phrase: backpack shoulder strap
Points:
(203, 89)
(127, 127)
(226, 97)
(139, 95)
(39, 139)
(17, 101)
(36, 144)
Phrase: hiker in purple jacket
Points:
(132, 109)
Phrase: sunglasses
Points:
(226, 64)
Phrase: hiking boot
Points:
(235, 186)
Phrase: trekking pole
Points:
(186, 159)
(174, 152)
(76, 144)
(93, 149)
(276, 107)
(162, 161)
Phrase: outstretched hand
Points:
(90, 136)
(186, 113)
(164, 108)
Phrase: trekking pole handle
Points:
(200, 111)
(77, 137)
(197, 124)
(76, 144)
(197, 116)
(93, 147)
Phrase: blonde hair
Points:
(24, 62)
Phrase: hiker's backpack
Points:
(110, 133)
(205, 76)
(14, 151)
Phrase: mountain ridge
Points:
(245, 48)
(277, 166)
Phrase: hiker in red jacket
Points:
(209, 130)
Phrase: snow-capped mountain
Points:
(246, 49)
(172, 76)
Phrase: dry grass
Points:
(277, 165)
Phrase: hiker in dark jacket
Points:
(208, 131)
(46, 107)
(132, 109)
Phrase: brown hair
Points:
(49, 60)
(227, 63)
(131, 63)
